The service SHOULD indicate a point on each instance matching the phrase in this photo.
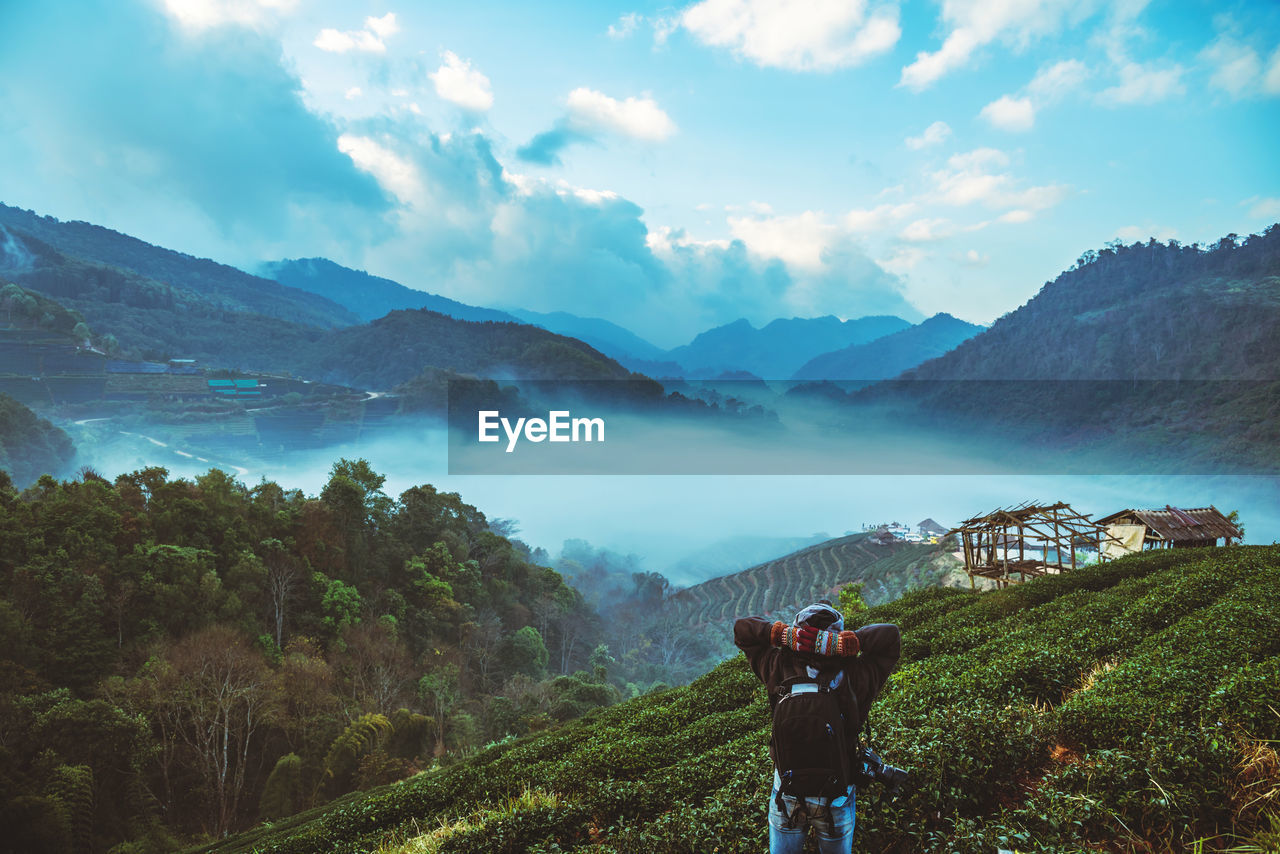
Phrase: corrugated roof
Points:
(1173, 523)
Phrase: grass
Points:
(1123, 707)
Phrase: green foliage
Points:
(526, 653)
(29, 445)
(148, 623)
(1104, 708)
(851, 603)
(282, 794)
(360, 737)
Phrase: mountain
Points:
(778, 349)
(222, 287)
(1154, 357)
(609, 338)
(1127, 706)
(368, 296)
(396, 348)
(816, 572)
(191, 319)
(1144, 311)
(29, 445)
(892, 354)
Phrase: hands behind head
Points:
(815, 641)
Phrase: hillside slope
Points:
(225, 286)
(1146, 311)
(366, 295)
(812, 573)
(29, 445)
(1150, 357)
(892, 354)
(1122, 707)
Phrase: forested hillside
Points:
(221, 286)
(180, 318)
(1153, 357)
(1132, 706)
(368, 296)
(29, 445)
(1143, 311)
(182, 658)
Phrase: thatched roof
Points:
(1178, 525)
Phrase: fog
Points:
(664, 518)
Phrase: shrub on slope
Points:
(1122, 707)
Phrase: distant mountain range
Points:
(158, 304)
(892, 354)
(774, 351)
(367, 296)
(779, 348)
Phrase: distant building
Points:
(1168, 528)
(929, 528)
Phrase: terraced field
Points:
(817, 572)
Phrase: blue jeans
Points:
(834, 836)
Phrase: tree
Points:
(284, 576)
(439, 689)
(221, 692)
(526, 653)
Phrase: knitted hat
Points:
(813, 610)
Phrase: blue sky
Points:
(668, 167)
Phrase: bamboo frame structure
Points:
(989, 540)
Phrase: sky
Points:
(666, 167)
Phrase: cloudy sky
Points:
(668, 167)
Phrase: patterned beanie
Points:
(817, 608)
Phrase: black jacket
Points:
(880, 646)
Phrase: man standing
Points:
(813, 662)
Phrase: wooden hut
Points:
(1010, 545)
(1168, 528)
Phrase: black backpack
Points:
(809, 746)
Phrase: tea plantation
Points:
(1132, 706)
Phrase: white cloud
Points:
(639, 118)
(1263, 208)
(799, 240)
(384, 27)
(927, 230)
(934, 134)
(973, 178)
(626, 25)
(974, 258)
(1238, 69)
(903, 260)
(202, 14)
(1144, 84)
(457, 81)
(859, 221)
(1010, 113)
(663, 27)
(368, 40)
(1054, 81)
(353, 93)
(1271, 81)
(976, 23)
(1016, 216)
(800, 35)
(397, 175)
